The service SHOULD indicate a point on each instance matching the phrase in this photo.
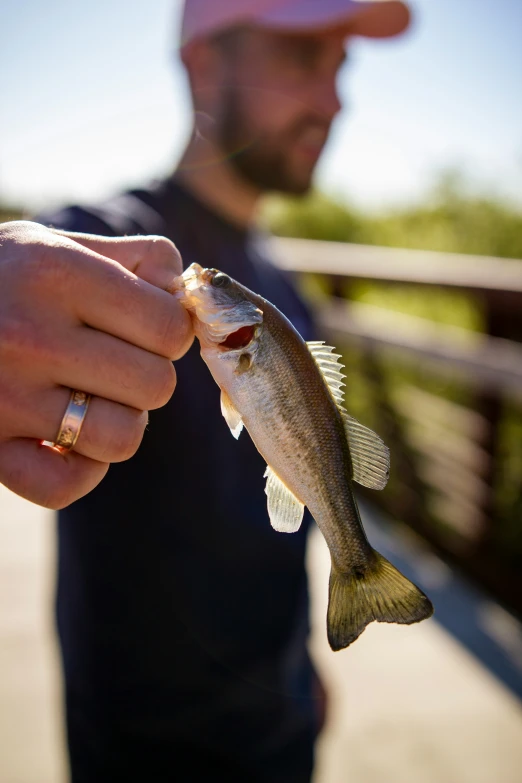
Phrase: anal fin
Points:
(284, 509)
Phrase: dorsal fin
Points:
(328, 363)
(370, 456)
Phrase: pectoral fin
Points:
(232, 416)
(370, 456)
(284, 509)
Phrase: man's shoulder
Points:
(130, 213)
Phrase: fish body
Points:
(287, 394)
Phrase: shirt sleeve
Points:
(127, 214)
(79, 219)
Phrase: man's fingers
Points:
(110, 432)
(152, 258)
(103, 365)
(63, 277)
(112, 299)
(45, 477)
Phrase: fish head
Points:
(226, 319)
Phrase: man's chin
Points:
(269, 176)
(296, 182)
(295, 188)
(287, 186)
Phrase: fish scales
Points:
(293, 420)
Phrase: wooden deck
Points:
(407, 705)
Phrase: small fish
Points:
(287, 393)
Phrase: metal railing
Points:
(447, 400)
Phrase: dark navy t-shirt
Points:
(182, 615)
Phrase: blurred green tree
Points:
(450, 219)
(8, 212)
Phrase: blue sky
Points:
(94, 100)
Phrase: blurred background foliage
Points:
(451, 219)
(10, 212)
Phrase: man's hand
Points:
(87, 313)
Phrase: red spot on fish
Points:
(239, 339)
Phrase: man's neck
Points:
(204, 172)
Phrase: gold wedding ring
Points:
(72, 421)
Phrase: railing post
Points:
(503, 318)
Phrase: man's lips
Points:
(310, 142)
(310, 152)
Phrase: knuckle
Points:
(19, 339)
(184, 336)
(15, 400)
(126, 437)
(49, 265)
(58, 498)
(55, 493)
(80, 477)
(13, 334)
(176, 331)
(134, 434)
(162, 384)
(165, 252)
(35, 257)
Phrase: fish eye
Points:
(220, 280)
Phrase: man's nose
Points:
(326, 99)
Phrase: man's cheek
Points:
(272, 116)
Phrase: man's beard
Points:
(258, 162)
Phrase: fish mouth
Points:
(224, 316)
(196, 277)
(240, 339)
(191, 286)
(192, 278)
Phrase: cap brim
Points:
(378, 19)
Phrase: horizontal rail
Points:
(490, 362)
(450, 449)
(436, 413)
(389, 264)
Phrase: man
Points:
(182, 615)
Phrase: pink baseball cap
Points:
(372, 19)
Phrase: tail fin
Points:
(380, 593)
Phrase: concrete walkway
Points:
(31, 747)
(407, 705)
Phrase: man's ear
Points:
(205, 64)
